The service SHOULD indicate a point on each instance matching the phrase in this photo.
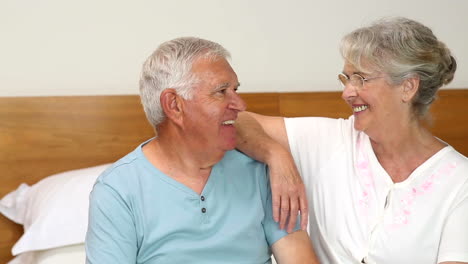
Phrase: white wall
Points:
(81, 47)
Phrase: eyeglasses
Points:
(355, 80)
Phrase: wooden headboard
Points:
(40, 136)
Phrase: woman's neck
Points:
(403, 150)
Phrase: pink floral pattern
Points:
(367, 176)
(402, 217)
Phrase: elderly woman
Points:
(381, 188)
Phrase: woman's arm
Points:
(294, 248)
(264, 138)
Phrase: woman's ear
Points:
(172, 105)
(410, 88)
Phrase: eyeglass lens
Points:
(355, 80)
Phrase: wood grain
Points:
(327, 104)
(40, 136)
(450, 118)
(263, 103)
(45, 135)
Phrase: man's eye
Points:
(223, 91)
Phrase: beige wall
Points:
(63, 47)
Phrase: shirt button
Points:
(203, 210)
(203, 198)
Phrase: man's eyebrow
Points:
(226, 85)
(222, 86)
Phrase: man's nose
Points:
(237, 103)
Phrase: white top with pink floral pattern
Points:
(359, 215)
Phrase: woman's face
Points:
(377, 106)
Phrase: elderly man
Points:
(186, 196)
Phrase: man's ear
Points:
(410, 88)
(172, 105)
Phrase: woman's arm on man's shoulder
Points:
(265, 139)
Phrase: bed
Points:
(44, 140)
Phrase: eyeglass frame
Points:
(356, 87)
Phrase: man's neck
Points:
(173, 157)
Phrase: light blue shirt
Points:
(140, 215)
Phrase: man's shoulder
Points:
(242, 166)
(120, 171)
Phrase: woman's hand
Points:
(288, 191)
(264, 138)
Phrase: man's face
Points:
(209, 117)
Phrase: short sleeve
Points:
(272, 231)
(111, 235)
(313, 141)
(454, 240)
(316, 133)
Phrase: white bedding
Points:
(74, 254)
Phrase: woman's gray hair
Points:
(402, 48)
(170, 67)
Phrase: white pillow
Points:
(74, 254)
(54, 211)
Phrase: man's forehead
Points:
(217, 72)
